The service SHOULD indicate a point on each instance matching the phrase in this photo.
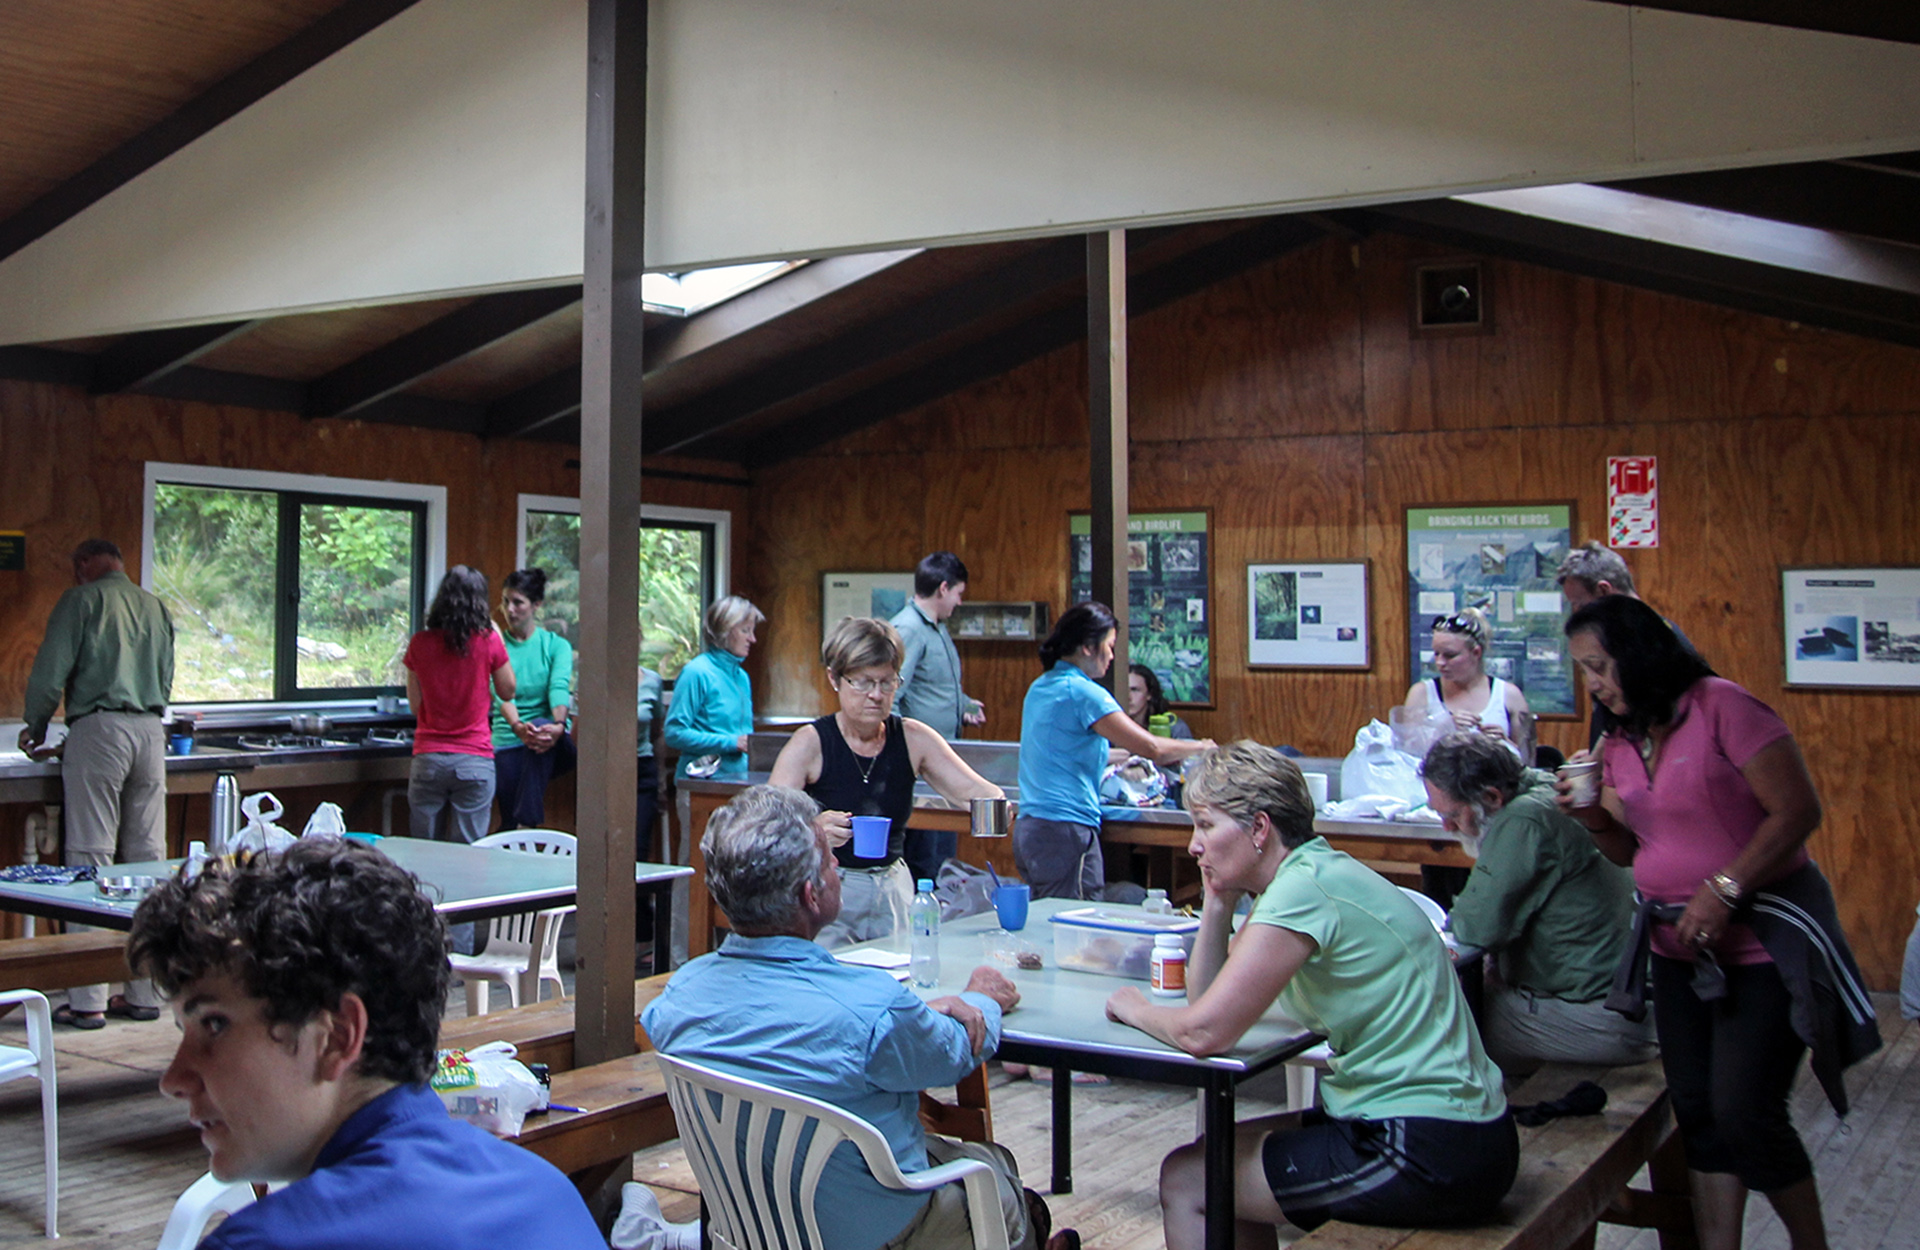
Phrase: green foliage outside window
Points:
(672, 585)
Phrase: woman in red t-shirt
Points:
(1706, 797)
(450, 788)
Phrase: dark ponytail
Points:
(1080, 625)
(529, 582)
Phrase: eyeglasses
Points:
(867, 685)
(1458, 623)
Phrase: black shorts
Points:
(1411, 1172)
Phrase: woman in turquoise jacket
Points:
(711, 712)
(531, 745)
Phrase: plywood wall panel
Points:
(1296, 403)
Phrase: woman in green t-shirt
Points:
(531, 745)
(1413, 1130)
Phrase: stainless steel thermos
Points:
(225, 824)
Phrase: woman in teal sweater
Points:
(531, 745)
(711, 713)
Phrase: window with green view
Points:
(676, 583)
(285, 595)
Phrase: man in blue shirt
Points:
(771, 1006)
(308, 988)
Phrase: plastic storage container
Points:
(1115, 941)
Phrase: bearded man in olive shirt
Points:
(108, 653)
(1555, 914)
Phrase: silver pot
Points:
(311, 723)
(993, 818)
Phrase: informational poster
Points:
(1167, 596)
(1501, 559)
(861, 594)
(1633, 501)
(1852, 627)
(1307, 615)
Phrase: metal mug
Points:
(992, 818)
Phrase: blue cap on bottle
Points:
(923, 886)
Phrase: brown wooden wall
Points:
(1296, 403)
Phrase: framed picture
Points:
(1857, 628)
(1500, 558)
(861, 594)
(1169, 564)
(1308, 615)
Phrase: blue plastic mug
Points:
(180, 744)
(1011, 902)
(870, 836)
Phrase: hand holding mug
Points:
(838, 826)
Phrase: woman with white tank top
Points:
(1463, 695)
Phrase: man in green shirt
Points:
(1553, 911)
(108, 653)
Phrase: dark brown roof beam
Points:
(1853, 197)
(1895, 20)
(139, 361)
(533, 407)
(1147, 290)
(244, 87)
(391, 369)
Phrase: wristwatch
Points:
(1726, 887)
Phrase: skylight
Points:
(684, 294)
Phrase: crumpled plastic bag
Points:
(1376, 767)
(962, 890)
(488, 1087)
(326, 823)
(1134, 783)
(260, 832)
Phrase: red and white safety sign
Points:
(1633, 501)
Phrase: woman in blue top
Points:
(1066, 725)
(712, 709)
(531, 745)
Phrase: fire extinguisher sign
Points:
(1633, 501)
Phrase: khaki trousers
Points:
(114, 775)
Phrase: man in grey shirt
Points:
(930, 682)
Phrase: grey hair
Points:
(862, 642)
(1465, 765)
(760, 849)
(726, 615)
(1244, 779)
(1592, 564)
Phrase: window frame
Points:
(292, 490)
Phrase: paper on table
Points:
(871, 957)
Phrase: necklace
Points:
(862, 762)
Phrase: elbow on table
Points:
(1201, 1039)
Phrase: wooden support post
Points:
(609, 650)
(1107, 422)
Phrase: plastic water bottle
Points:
(923, 914)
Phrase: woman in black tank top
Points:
(863, 761)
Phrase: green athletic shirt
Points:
(1383, 990)
(1558, 913)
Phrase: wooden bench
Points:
(623, 1108)
(1573, 1174)
(60, 961)
(541, 1032)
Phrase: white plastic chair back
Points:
(37, 1061)
(523, 950)
(204, 1199)
(725, 1121)
(1432, 910)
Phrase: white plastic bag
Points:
(260, 832)
(326, 823)
(1376, 767)
(488, 1087)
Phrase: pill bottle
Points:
(1169, 965)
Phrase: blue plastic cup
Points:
(1011, 902)
(180, 744)
(870, 836)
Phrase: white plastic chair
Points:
(1432, 910)
(205, 1198)
(37, 1061)
(726, 1120)
(523, 949)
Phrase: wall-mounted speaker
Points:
(1451, 297)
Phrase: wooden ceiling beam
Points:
(532, 407)
(245, 86)
(407, 360)
(1894, 20)
(1147, 290)
(1878, 201)
(138, 361)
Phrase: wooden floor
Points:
(126, 1152)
